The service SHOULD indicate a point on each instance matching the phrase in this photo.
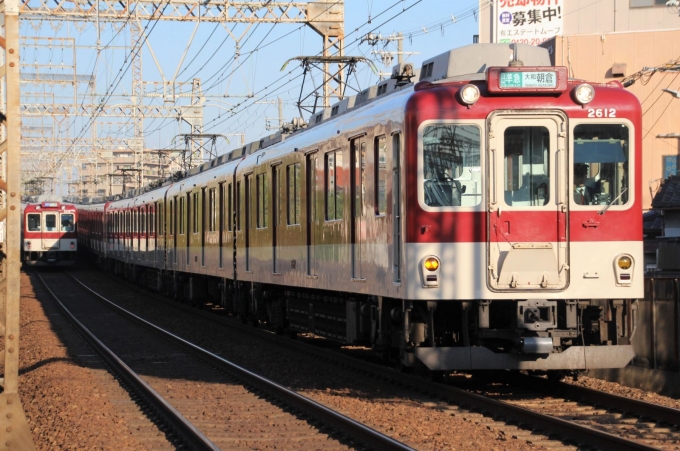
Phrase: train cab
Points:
(49, 234)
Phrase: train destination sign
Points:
(545, 79)
(526, 79)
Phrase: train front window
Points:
(51, 223)
(451, 165)
(33, 222)
(67, 223)
(526, 166)
(600, 170)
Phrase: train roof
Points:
(464, 63)
(49, 205)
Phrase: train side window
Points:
(238, 205)
(335, 183)
(212, 209)
(230, 210)
(172, 217)
(601, 164)
(33, 222)
(451, 165)
(276, 179)
(181, 216)
(262, 201)
(293, 178)
(380, 175)
(195, 213)
(161, 222)
(51, 223)
(67, 224)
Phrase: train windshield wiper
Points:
(606, 207)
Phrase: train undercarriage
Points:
(535, 335)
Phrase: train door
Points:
(528, 247)
(221, 220)
(206, 216)
(358, 217)
(276, 215)
(312, 222)
(249, 222)
(396, 207)
(186, 221)
(49, 232)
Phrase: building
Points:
(110, 172)
(605, 41)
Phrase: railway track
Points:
(647, 423)
(499, 410)
(207, 401)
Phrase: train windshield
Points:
(51, 223)
(527, 169)
(33, 222)
(451, 165)
(600, 170)
(67, 222)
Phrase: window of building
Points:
(334, 185)
(293, 179)
(646, 3)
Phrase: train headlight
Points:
(584, 93)
(623, 270)
(429, 271)
(469, 94)
(624, 262)
(431, 263)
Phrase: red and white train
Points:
(483, 212)
(49, 234)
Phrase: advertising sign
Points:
(528, 21)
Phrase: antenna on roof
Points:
(515, 57)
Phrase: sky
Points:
(241, 93)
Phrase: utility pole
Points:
(387, 56)
(14, 430)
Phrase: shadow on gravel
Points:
(42, 363)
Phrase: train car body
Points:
(486, 217)
(49, 234)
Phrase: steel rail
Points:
(610, 401)
(567, 431)
(185, 428)
(354, 429)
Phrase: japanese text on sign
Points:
(528, 21)
(528, 80)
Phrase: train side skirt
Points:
(480, 358)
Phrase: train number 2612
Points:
(601, 112)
